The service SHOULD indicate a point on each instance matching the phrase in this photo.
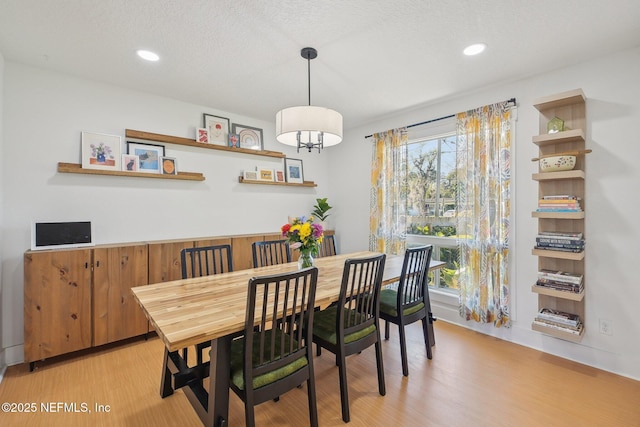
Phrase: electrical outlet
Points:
(606, 327)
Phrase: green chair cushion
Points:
(237, 376)
(324, 326)
(389, 300)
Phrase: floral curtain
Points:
(388, 192)
(484, 195)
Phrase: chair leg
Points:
(403, 350)
(344, 393)
(386, 329)
(318, 350)
(425, 330)
(381, 386)
(311, 395)
(249, 414)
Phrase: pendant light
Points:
(308, 126)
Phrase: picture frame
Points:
(293, 170)
(265, 174)
(169, 166)
(101, 151)
(250, 175)
(218, 128)
(250, 137)
(234, 140)
(202, 135)
(148, 154)
(279, 175)
(130, 163)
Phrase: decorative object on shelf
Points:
(169, 166)
(234, 140)
(555, 125)
(249, 137)
(307, 126)
(557, 163)
(306, 236)
(100, 151)
(321, 208)
(202, 135)
(218, 128)
(265, 174)
(149, 155)
(130, 163)
(279, 175)
(293, 170)
(250, 175)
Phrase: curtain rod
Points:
(509, 101)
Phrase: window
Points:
(431, 202)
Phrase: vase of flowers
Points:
(305, 235)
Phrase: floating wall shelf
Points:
(148, 136)
(77, 168)
(241, 180)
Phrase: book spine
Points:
(558, 234)
(562, 241)
(560, 245)
(547, 248)
(560, 278)
(558, 319)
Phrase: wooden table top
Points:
(190, 311)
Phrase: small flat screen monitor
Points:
(58, 235)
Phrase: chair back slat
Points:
(359, 293)
(327, 247)
(277, 307)
(414, 276)
(206, 260)
(271, 252)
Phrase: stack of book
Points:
(559, 320)
(559, 203)
(560, 241)
(560, 281)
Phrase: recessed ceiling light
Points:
(474, 49)
(148, 55)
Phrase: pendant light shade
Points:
(309, 126)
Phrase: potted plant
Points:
(320, 210)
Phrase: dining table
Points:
(212, 309)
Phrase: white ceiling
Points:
(375, 57)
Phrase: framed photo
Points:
(293, 170)
(202, 135)
(101, 151)
(130, 163)
(218, 128)
(265, 174)
(148, 154)
(250, 137)
(234, 140)
(279, 175)
(169, 166)
(250, 175)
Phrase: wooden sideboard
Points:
(75, 299)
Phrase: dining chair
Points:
(351, 325)
(275, 354)
(327, 247)
(270, 252)
(204, 261)
(410, 301)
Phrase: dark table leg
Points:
(218, 414)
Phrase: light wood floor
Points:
(473, 379)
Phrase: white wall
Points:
(612, 229)
(2, 355)
(44, 116)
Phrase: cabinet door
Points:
(164, 260)
(116, 314)
(57, 302)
